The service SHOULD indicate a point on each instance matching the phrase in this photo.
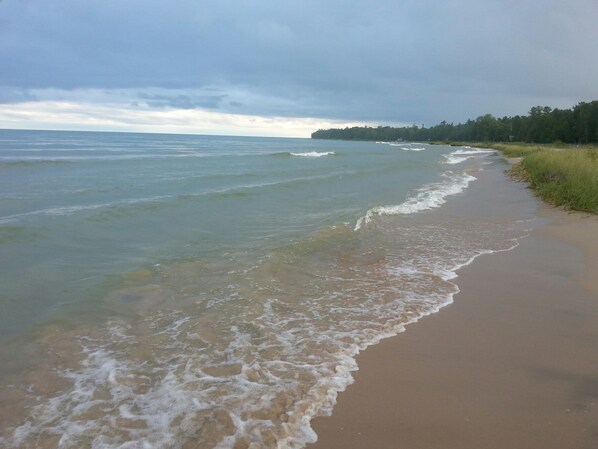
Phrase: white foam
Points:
(407, 146)
(427, 197)
(404, 270)
(280, 347)
(458, 156)
(403, 146)
(180, 390)
(473, 151)
(452, 159)
(314, 154)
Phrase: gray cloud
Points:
(12, 95)
(182, 101)
(378, 60)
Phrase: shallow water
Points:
(212, 292)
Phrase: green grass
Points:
(567, 177)
(516, 149)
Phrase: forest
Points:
(578, 125)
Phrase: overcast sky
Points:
(276, 67)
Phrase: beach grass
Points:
(562, 175)
(516, 150)
(567, 178)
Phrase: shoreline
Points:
(511, 363)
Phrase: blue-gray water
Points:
(197, 291)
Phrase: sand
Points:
(513, 363)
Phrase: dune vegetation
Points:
(563, 176)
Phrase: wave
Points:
(244, 190)
(60, 211)
(125, 205)
(473, 151)
(77, 149)
(451, 159)
(54, 159)
(314, 154)
(32, 163)
(456, 157)
(427, 197)
(404, 146)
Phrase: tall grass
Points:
(516, 150)
(566, 178)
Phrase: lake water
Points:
(178, 291)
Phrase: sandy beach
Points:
(511, 364)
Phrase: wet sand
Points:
(513, 363)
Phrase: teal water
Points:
(201, 291)
(77, 207)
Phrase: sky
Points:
(289, 67)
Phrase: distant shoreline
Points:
(542, 124)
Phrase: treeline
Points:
(541, 125)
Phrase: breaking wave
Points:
(314, 154)
(427, 197)
(456, 157)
